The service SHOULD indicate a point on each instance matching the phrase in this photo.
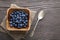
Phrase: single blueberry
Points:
(26, 20)
(23, 15)
(11, 24)
(15, 25)
(19, 26)
(20, 17)
(26, 14)
(20, 20)
(11, 15)
(15, 16)
(17, 21)
(17, 12)
(21, 11)
(11, 19)
(24, 25)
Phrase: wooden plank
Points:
(49, 27)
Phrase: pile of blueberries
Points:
(18, 19)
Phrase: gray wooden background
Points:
(49, 27)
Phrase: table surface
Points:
(49, 27)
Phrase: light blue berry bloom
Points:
(23, 15)
(15, 16)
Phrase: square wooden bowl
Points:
(9, 11)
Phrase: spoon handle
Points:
(32, 33)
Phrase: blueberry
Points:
(23, 15)
(21, 11)
(20, 20)
(11, 15)
(17, 21)
(24, 25)
(19, 25)
(26, 20)
(15, 25)
(20, 17)
(11, 19)
(17, 12)
(26, 14)
(15, 16)
(11, 24)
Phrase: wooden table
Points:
(49, 27)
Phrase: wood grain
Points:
(49, 27)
